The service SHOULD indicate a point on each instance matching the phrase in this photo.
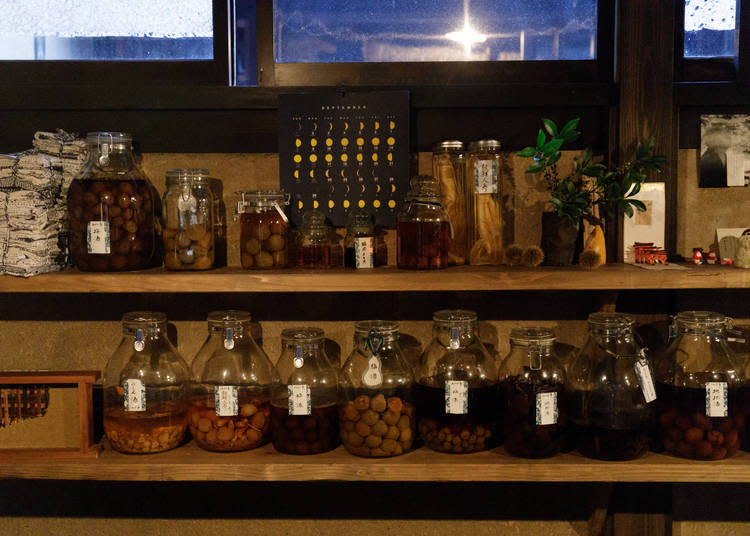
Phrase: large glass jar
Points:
(188, 230)
(304, 419)
(699, 412)
(610, 386)
(456, 391)
(449, 168)
(532, 384)
(315, 248)
(423, 229)
(230, 401)
(111, 208)
(145, 383)
(376, 410)
(263, 231)
(485, 208)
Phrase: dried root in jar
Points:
(453, 201)
(488, 229)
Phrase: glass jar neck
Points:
(374, 343)
(144, 330)
(535, 351)
(455, 335)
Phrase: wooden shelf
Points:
(189, 463)
(465, 278)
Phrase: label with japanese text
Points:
(546, 408)
(373, 376)
(485, 176)
(135, 395)
(300, 402)
(97, 237)
(364, 252)
(456, 397)
(717, 399)
(226, 401)
(643, 372)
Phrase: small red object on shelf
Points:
(726, 261)
(647, 253)
(697, 256)
(711, 258)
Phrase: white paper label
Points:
(643, 372)
(717, 399)
(485, 177)
(299, 400)
(226, 400)
(456, 397)
(97, 237)
(135, 395)
(546, 408)
(364, 252)
(373, 376)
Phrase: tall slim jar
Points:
(485, 236)
(449, 168)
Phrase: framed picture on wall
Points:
(725, 151)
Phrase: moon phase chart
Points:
(342, 152)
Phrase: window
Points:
(709, 28)
(245, 45)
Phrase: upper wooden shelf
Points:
(189, 463)
(464, 278)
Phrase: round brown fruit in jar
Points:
(249, 429)
(305, 434)
(161, 428)
(263, 237)
(377, 425)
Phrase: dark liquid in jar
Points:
(314, 256)
(423, 245)
(128, 207)
(160, 428)
(264, 240)
(305, 434)
(250, 428)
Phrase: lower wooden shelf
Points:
(190, 463)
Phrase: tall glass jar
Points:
(376, 409)
(145, 384)
(263, 231)
(188, 230)
(304, 418)
(315, 247)
(699, 412)
(532, 384)
(485, 203)
(456, 391)
(423, 228)
(230, 401)
(111, 208)
(449, 168)
(610, 386)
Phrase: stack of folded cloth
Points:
(33, 216)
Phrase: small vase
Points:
(559, 237)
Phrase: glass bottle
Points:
(263, 232)
(315, 245)
(532, 385)
(111, 208)
(610, 386)
(376, 409)
(423, 228)
(188, 230)
(449, 168)
(230, 401)
(220, 222)
(485, 235)
(145, 385)
(361, 241)
(304, 418)
(699, 412)
(456, 391)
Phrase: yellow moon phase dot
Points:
(313, 142)
(329, 158)
(376, 203)
(376, 141)
(329, 142)
(313, 158)
(298, 142)
(391, 204)
(331, 203)
(361, 203)
(346, 203)
(344, 157)
(297, 158)
(344, 141)
(391, 140)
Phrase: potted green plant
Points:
(591, 191)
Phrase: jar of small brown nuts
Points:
(188, 230)
(263, 231)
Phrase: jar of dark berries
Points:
(423, 228)
(263, 229)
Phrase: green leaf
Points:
(536, 167)
(550, 127)
(570, 136)
(527, 152)
(570, 126)
(552, 146)
(554, 158)
(628, 210)
(635, 190)
(638, 204)
(540, 139)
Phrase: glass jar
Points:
(361, 242)
(532, 385)
(485, 236)
(456, 391)
(220, 222)
(263, 231)
(376, 409)
(449, 168)
(609, 388)
(699, 412)
(423, 228)
(315, 248)
(230, 401)
(188, 230)
(304, 418)
(111, 208)
(145, 385)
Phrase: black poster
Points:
(341, 151)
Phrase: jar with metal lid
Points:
(145, 386)
(456, 390)
(220, 222)
(361, 244)
(532, 385)
(188, 230)
(230, 400)
(699, 411)
(485, 234)
(376, 408)
(263, 228)
(304, 416)
(422, 230)
(449, 168)
(315, 247)
(610, 388)
(111, 208)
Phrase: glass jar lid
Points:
(260, 199)
(301, 335)
(143, 318)
(376, 327)
(112, 138)
(482, 146)
(610, 321)
(187, 176)
(532, 335)
(220, 319)
(701, 320)
(360, 221)
(424, 188)
(314, 221)
(454, 317)
(448, 146)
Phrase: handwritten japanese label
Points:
(456, 397)
(546, 408)
(643, 372)
(97, 237)
(364, 252)
(226, 401)
(299, 400)
(717, 399)
(135, 395)
(373, 376)
(485, 176)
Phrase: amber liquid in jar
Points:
(144, 432)
(264, 240)
(377, 423)
(423, 245)
(249, 429)
(314, 256)
(305, 434)
(128, 207)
